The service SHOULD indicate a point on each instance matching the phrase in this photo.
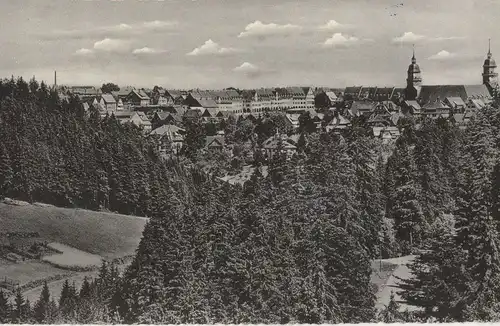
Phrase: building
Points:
(278, 144)
(200, 100)
(434, 97)
(338, 123)
(215, 143)
(141, 120)
(171, 138)
(108, 102)
(138, 98)
(490, 77)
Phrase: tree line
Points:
(295, 246)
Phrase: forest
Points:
(293, 247)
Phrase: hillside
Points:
(105, 234)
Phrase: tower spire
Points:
(413, 59)
(489, 46)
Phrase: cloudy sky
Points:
(242, 43)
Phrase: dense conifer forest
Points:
(295, 246)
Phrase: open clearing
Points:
(105, 234)
(387, 281)
(26, 271)
(71, 257)
(84, 237)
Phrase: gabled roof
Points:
(413, 104)
(273, 143)
(162, 116)
(264, 92)
(123, 92)
(339, 120)
(362, 107)
(139, 94)
(432, 93)
(296, 91)
(143, 116)
(293, 118)
(108, 98)
(354, 90)
(436, 105)
(209, 112)
(331, 95)
(167, 129)
(123, 114)
(214, 141)
(478, 103)
(455, 101)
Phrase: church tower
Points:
(489, 74)
(413, 80)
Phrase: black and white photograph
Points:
(249, 162)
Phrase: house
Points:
(161, 118)
(141, 120)
(475, 104)
(436, 109)
(209, 114)
(338, 123)
(193, 114)
(108, 102)
(278, 144)
(123, 116)
(161, 97)
(138, 98)
(461, 119)
(411, 107)
(310, 94)
(169, 135)
(292, 120)
(457, 104)
(387, 134)
(200, 100)
(215, 143)
(359, 108)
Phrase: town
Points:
(161, 112)
(290, 169)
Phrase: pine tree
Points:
(5, 308)
(43, 308)
(391, 313)
(6, 172)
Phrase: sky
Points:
(246, 44)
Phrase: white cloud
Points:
(119, 30)
(211, 47)
(408, 37)
(147, 50)
(449, 38)
(111, 45)
(260, 29)
(338, 39)
(159, 24)
(442, 55)
(332, 25)
(84, 52)
(248, 69)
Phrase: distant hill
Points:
(106, 234)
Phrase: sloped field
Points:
(105, 234)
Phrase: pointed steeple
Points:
(414, 79)
(489, 74)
